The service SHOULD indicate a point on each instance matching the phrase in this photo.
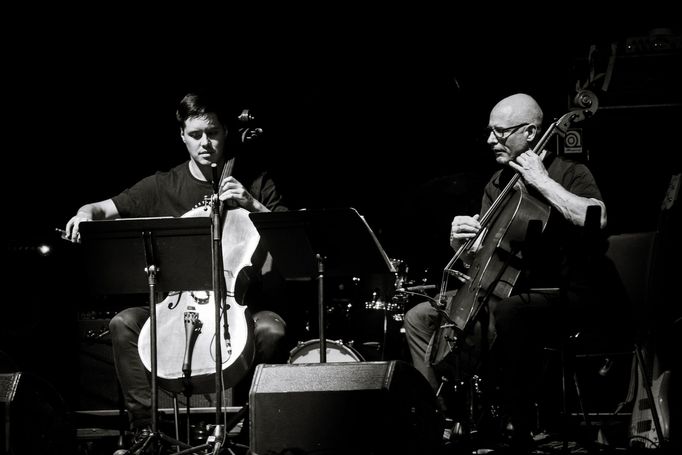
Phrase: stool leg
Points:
(175, 417)
(564, 401)
(189, 423)
(580, 399)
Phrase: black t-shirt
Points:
(177, 191)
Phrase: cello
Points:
(491, 271)
(186, 334)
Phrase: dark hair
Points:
(200, 103)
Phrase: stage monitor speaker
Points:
(374, 408)
(36, 417)
(97, 384)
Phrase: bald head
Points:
(518, 108)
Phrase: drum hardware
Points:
(337, 351)
(317, 245)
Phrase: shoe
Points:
(141, 435)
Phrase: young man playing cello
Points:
(205, 128)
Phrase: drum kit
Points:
(361, 325)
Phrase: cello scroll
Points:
(586, 103)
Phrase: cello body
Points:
(186, 341)
(489, 277)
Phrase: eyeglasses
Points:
(502, 134)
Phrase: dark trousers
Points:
(524, 324)
(125, 327)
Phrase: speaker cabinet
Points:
(97, 384)
(383, 407)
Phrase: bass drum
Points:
(309, 352)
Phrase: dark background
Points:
(381, 110)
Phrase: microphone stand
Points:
(216, 440)
(216, 256)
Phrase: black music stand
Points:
(312, 244)
(154, 255)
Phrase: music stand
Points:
(311, 244)
(155, 255)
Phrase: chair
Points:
(632, 255)
(193, 410)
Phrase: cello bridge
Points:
(200, 297)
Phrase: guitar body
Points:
(642, 431)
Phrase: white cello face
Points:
(182, 316)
